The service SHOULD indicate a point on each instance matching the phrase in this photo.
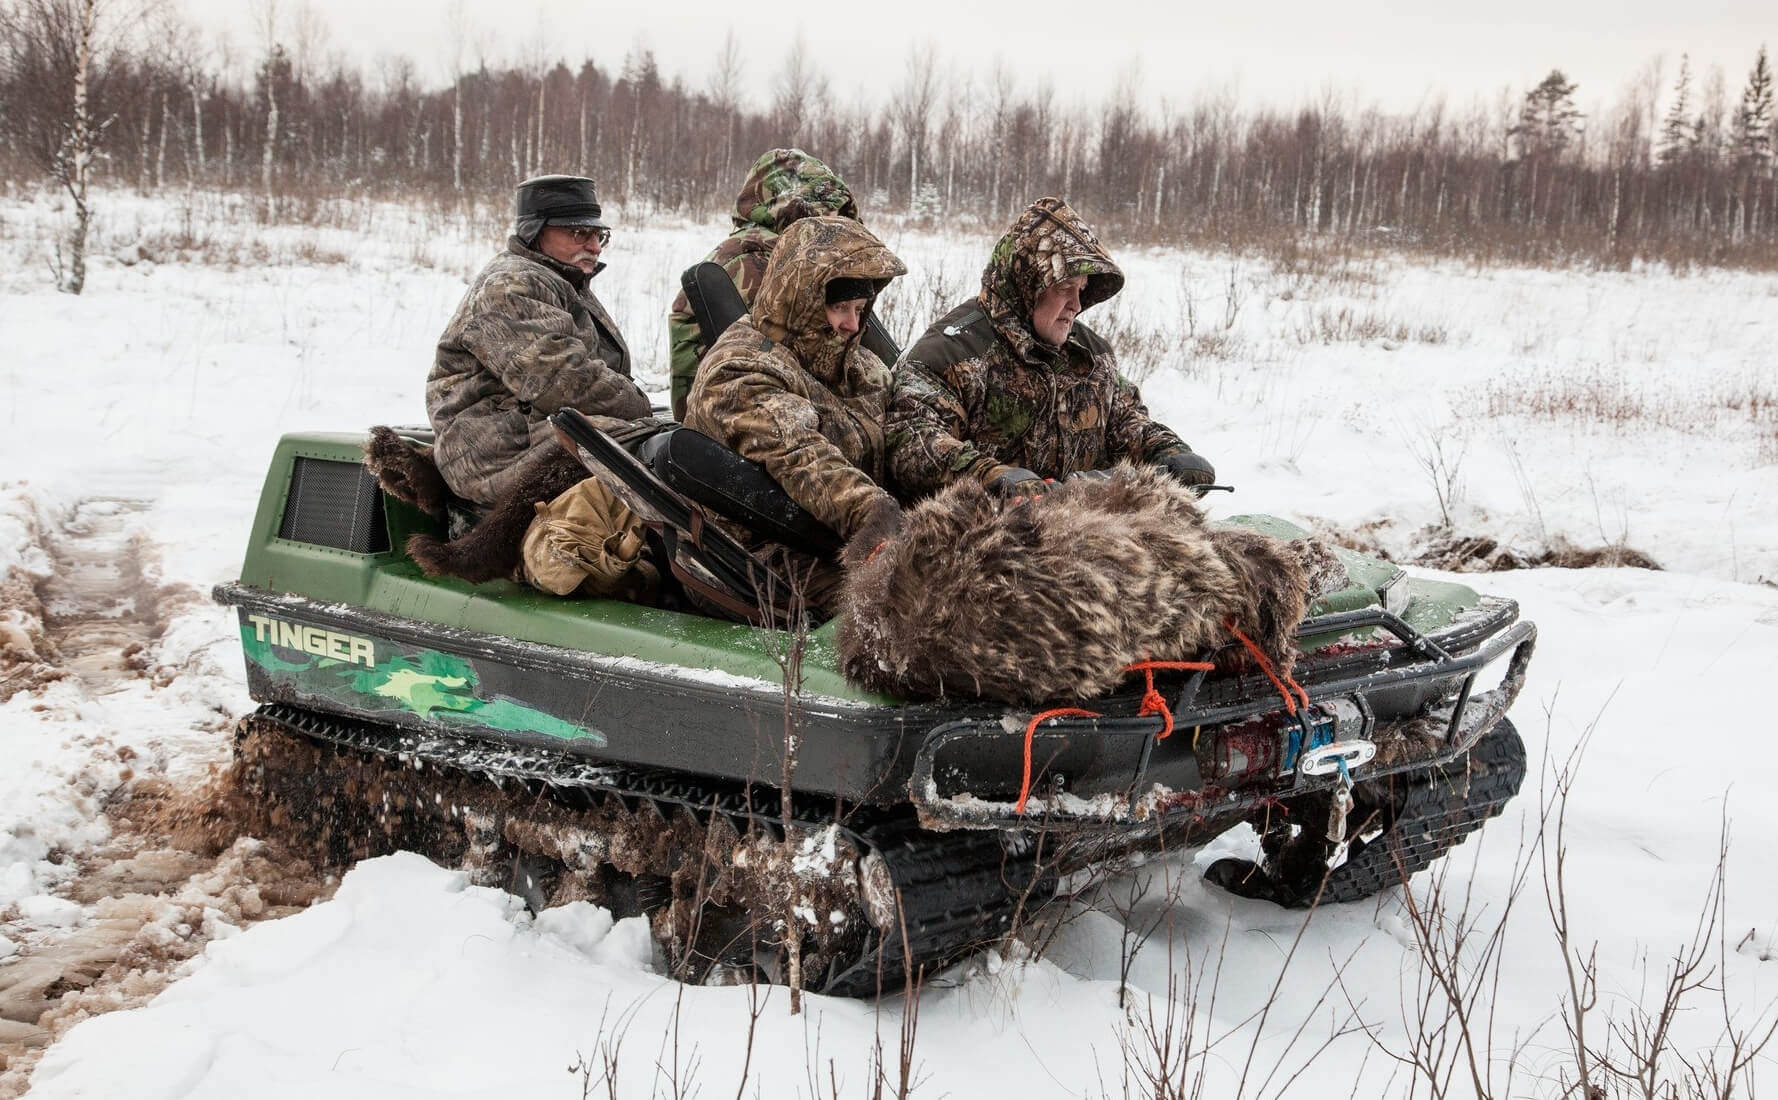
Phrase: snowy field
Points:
(1542, 410)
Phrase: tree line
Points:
(106, 91)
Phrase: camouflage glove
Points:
(878, 527)
(1188, 468)
(1018, 483)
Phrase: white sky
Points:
(1281, 53)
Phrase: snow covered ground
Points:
(1535, 408)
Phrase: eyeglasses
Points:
(584, 233)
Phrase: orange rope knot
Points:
(1152, 701)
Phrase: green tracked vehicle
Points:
(636, 756)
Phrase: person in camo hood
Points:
(784, 186)
(1008, 389)
(528, 338)
(790, 387)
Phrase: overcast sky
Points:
(1280, 52)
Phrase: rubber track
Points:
(1442, 806)
(957, 890)
(956, 895)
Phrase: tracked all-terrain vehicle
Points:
(637, 755)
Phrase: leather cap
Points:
(558, 200)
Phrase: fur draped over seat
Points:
(490, 549)
(1051, 600)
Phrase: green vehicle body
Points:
(364, 634)
(389, 581)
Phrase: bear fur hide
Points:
(405, 470)
(1050, 600)
(490, 550)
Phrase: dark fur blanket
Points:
(490, 549)
(1049, 601)
(405, 470)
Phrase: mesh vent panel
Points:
(334, 504)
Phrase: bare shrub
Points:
(1224, 346)
(914, 300)
(1625, 1046)
(1610, 398)
(1615, 1045)
(1343, 324)
(1448, 1000)
(1439, 450)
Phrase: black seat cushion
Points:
(736, 489)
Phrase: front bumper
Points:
(1234, 749)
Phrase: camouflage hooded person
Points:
(529, 338)
(790, 386)
(784, 186)
(1008, 389)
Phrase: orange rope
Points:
(1265, 666)
(1031, 731)
(1152, 701)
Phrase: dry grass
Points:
(1343, 324)
(1612, 400)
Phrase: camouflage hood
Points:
(789, 184)
(1046, 245)
(791, 307)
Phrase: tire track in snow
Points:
(171, 874)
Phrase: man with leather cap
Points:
(529, 338)
(1010, 390)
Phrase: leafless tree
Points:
(911, 107)
(54, 51)
(725, 97)
(798, 83)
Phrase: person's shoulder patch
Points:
(958, 337)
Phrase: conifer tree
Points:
(1754, 120)
(1548, 120)
(1676, 131)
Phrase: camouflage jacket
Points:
(781, 389)
(978, 392)
(784, 185)
(527, 339)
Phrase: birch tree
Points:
(53, 49)
(912, 108)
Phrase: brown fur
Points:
(490, 549)
(405, 471)
(1050, 600)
